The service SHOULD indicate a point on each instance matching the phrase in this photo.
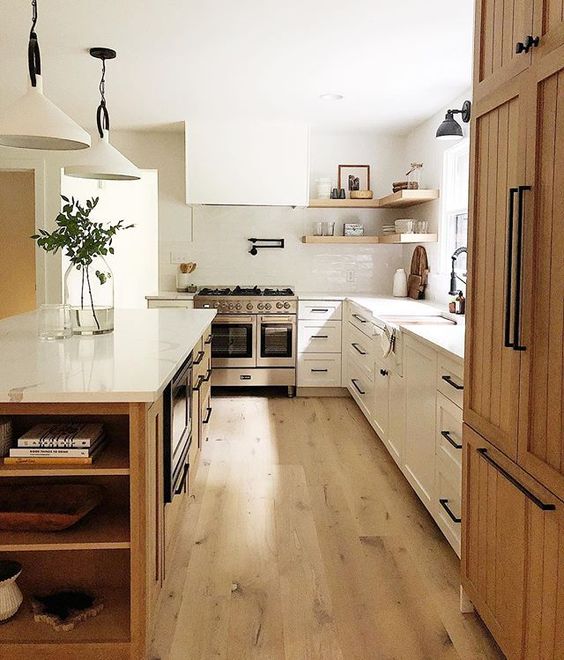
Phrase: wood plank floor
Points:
(303, 540)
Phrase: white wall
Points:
(422, 146)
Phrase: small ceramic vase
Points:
(10, 595)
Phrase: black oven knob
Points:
(268, 306)
(238, 306)
(260, 305)
(249, 306)
(286, 305)
(279, 305)
(230, 305)
(216, 304)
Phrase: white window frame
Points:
(448, 208)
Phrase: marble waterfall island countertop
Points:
(132, 364)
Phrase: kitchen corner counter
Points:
(448, 339)
(171, 295)
(132, 364)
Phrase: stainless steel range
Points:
(254, 335)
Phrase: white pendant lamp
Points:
(33, 121)
(103, 161)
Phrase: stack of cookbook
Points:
(59, 444)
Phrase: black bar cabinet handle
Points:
(315, 371)
(527, 493)
(198, 384)
(518, 266)
(319, 309)
(359, 318)
(446, 435)
(444, 504)
(509, 267)
(209, 339)
(182, 486)
(356, 348)
(208, 415)
(200, 357)
(206, 377)
(320, 336)
(356, 387)
(448, 379)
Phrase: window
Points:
(454, 227)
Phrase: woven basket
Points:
(361, 194)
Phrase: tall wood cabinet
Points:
(512, 564)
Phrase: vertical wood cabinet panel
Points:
(500, 25)
(541, 433)
(548, 26)
(155, 503)
(511, 552)
(492, 392)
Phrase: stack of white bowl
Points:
(324, 188)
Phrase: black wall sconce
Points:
(270, 243)
(450, 129)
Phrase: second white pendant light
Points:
(103, 161)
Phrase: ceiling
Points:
(395, 61)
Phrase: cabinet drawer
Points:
(450, 381)
(360, 344)
(319, 336)
(327, 310)
(360, 318)
(361, 388)
(448, 508)
(364, 363)
(319, 370)
(449, 433)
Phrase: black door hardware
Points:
(356, 387)
(446, 434)
(444, 504)
(357, 349)
(527, 493)
(526, 45)
(384, 372)
(448, 379)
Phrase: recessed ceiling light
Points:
(331, 97)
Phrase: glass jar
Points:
(89, 291)
(414, 176)
(54, 322)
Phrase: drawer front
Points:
(449, 434)
(361, 319)
(361, 345)
(450, 379)
(320, 310)
(448, 508)
(319, 336)
(155, 304)
(360, 387)
(319, 370)
(363, 363)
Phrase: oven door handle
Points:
(275, 319)
(182, 486)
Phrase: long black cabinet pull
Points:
(518, 274)
(200, 357)
(448, 379)
(206, 377)
(359, 318)
(527, 493)
(209, 339)
(356, 348)
(356, 387)
(198, 384)
(446, 435)
(444, 504)
(319, 336)
(208, 415)
(321, 310)
(509, 267)
(319, 371)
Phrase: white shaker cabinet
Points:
(247, 163)
(420, 369)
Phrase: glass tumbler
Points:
(318, 228)
(328, 229)
(54, 322)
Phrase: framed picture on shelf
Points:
(354, 178)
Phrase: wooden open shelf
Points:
(104, 528)
(401, 199)
(112, 461)
(111, 625)
(390, 239)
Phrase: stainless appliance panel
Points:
(257, 376)
(234, 341)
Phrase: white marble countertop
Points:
(132, 364)
(171, 295)
(448, 339)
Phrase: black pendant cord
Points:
(33, 54)
(102, 114)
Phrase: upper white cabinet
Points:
(247, 163)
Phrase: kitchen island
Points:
(120, 551)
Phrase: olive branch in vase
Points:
(82, 240)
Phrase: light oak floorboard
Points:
(304, 541)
